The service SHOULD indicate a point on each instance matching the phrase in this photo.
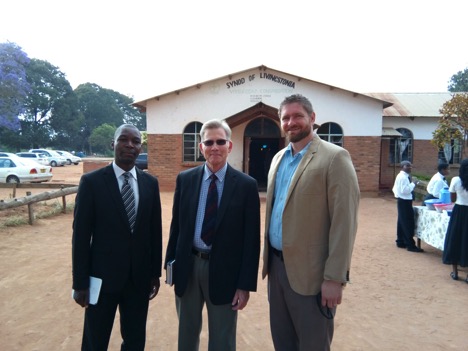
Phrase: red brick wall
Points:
(165, 160)
(91, 165)
(364, 152)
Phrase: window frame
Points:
(329, 135)
(407, 155)
(192, 137)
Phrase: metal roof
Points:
(413, 104)
(391, 132)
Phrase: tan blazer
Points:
(319, 218)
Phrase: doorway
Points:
(261, 153)
(262, 140)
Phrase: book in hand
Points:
(94, 290)
(170, 272)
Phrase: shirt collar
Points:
(119, 171)
(220, 174)
(302, 152)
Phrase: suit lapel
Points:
(113, 186)
(141, 194)
(272, 176)
(194, 182)
(306, 159)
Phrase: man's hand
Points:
(155, 284)
(81, 297)
(241, 297)
(331, 293)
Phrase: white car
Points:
(69, 157)
(15, 169)
(54, 158)
(35, 156)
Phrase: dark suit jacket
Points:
(236, 246)
(103, 245)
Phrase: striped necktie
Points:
(129, 200)
(211, 210)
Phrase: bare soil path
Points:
(397, 300)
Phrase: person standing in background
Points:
(437, 182)
(117, 237)
(456, 238)
(215, 242)
(311, 223)
(403, 190)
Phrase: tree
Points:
(67, 124)
(101, 138)
(48, 87)
(459, 82)
(14, 86)
(104, 106)
(453, 125)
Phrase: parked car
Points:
(142, 161)
(35, 156)
(69, 157)
(54, 158)
(15, 169)
(6, 154)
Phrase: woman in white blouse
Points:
(456, 240)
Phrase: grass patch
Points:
(20, 216)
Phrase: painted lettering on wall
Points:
(269, 76)
(235, 83)
(279, 80)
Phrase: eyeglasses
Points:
(219, 142)
(324, 310)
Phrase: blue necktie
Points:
(129, 200)
(211, 210)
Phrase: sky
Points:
(144, 48)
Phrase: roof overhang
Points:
(389, 132)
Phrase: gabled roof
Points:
(413, 104)
(142, 103)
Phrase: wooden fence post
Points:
(30, 210)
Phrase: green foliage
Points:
(48, 88)
(104, 106)
(101, 138)
(144, 138)
(454, 122)
(459, 82)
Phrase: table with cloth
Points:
(430, 226)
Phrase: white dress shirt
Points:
(403, 187)
(436, 184)
(131, 180)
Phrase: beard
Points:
(301, 135)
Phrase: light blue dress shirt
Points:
(285, 173)
(221, 174)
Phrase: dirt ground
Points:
(397, 300)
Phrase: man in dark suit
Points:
(119, 240)
(220, 271)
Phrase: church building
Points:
(249, 101)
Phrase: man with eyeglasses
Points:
(311, 222)
(215, 242)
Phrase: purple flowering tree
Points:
(14, 87)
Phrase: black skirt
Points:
(456, 238)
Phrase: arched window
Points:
(401, 149)
(331, 132)
(191, 140)
(451, 152)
